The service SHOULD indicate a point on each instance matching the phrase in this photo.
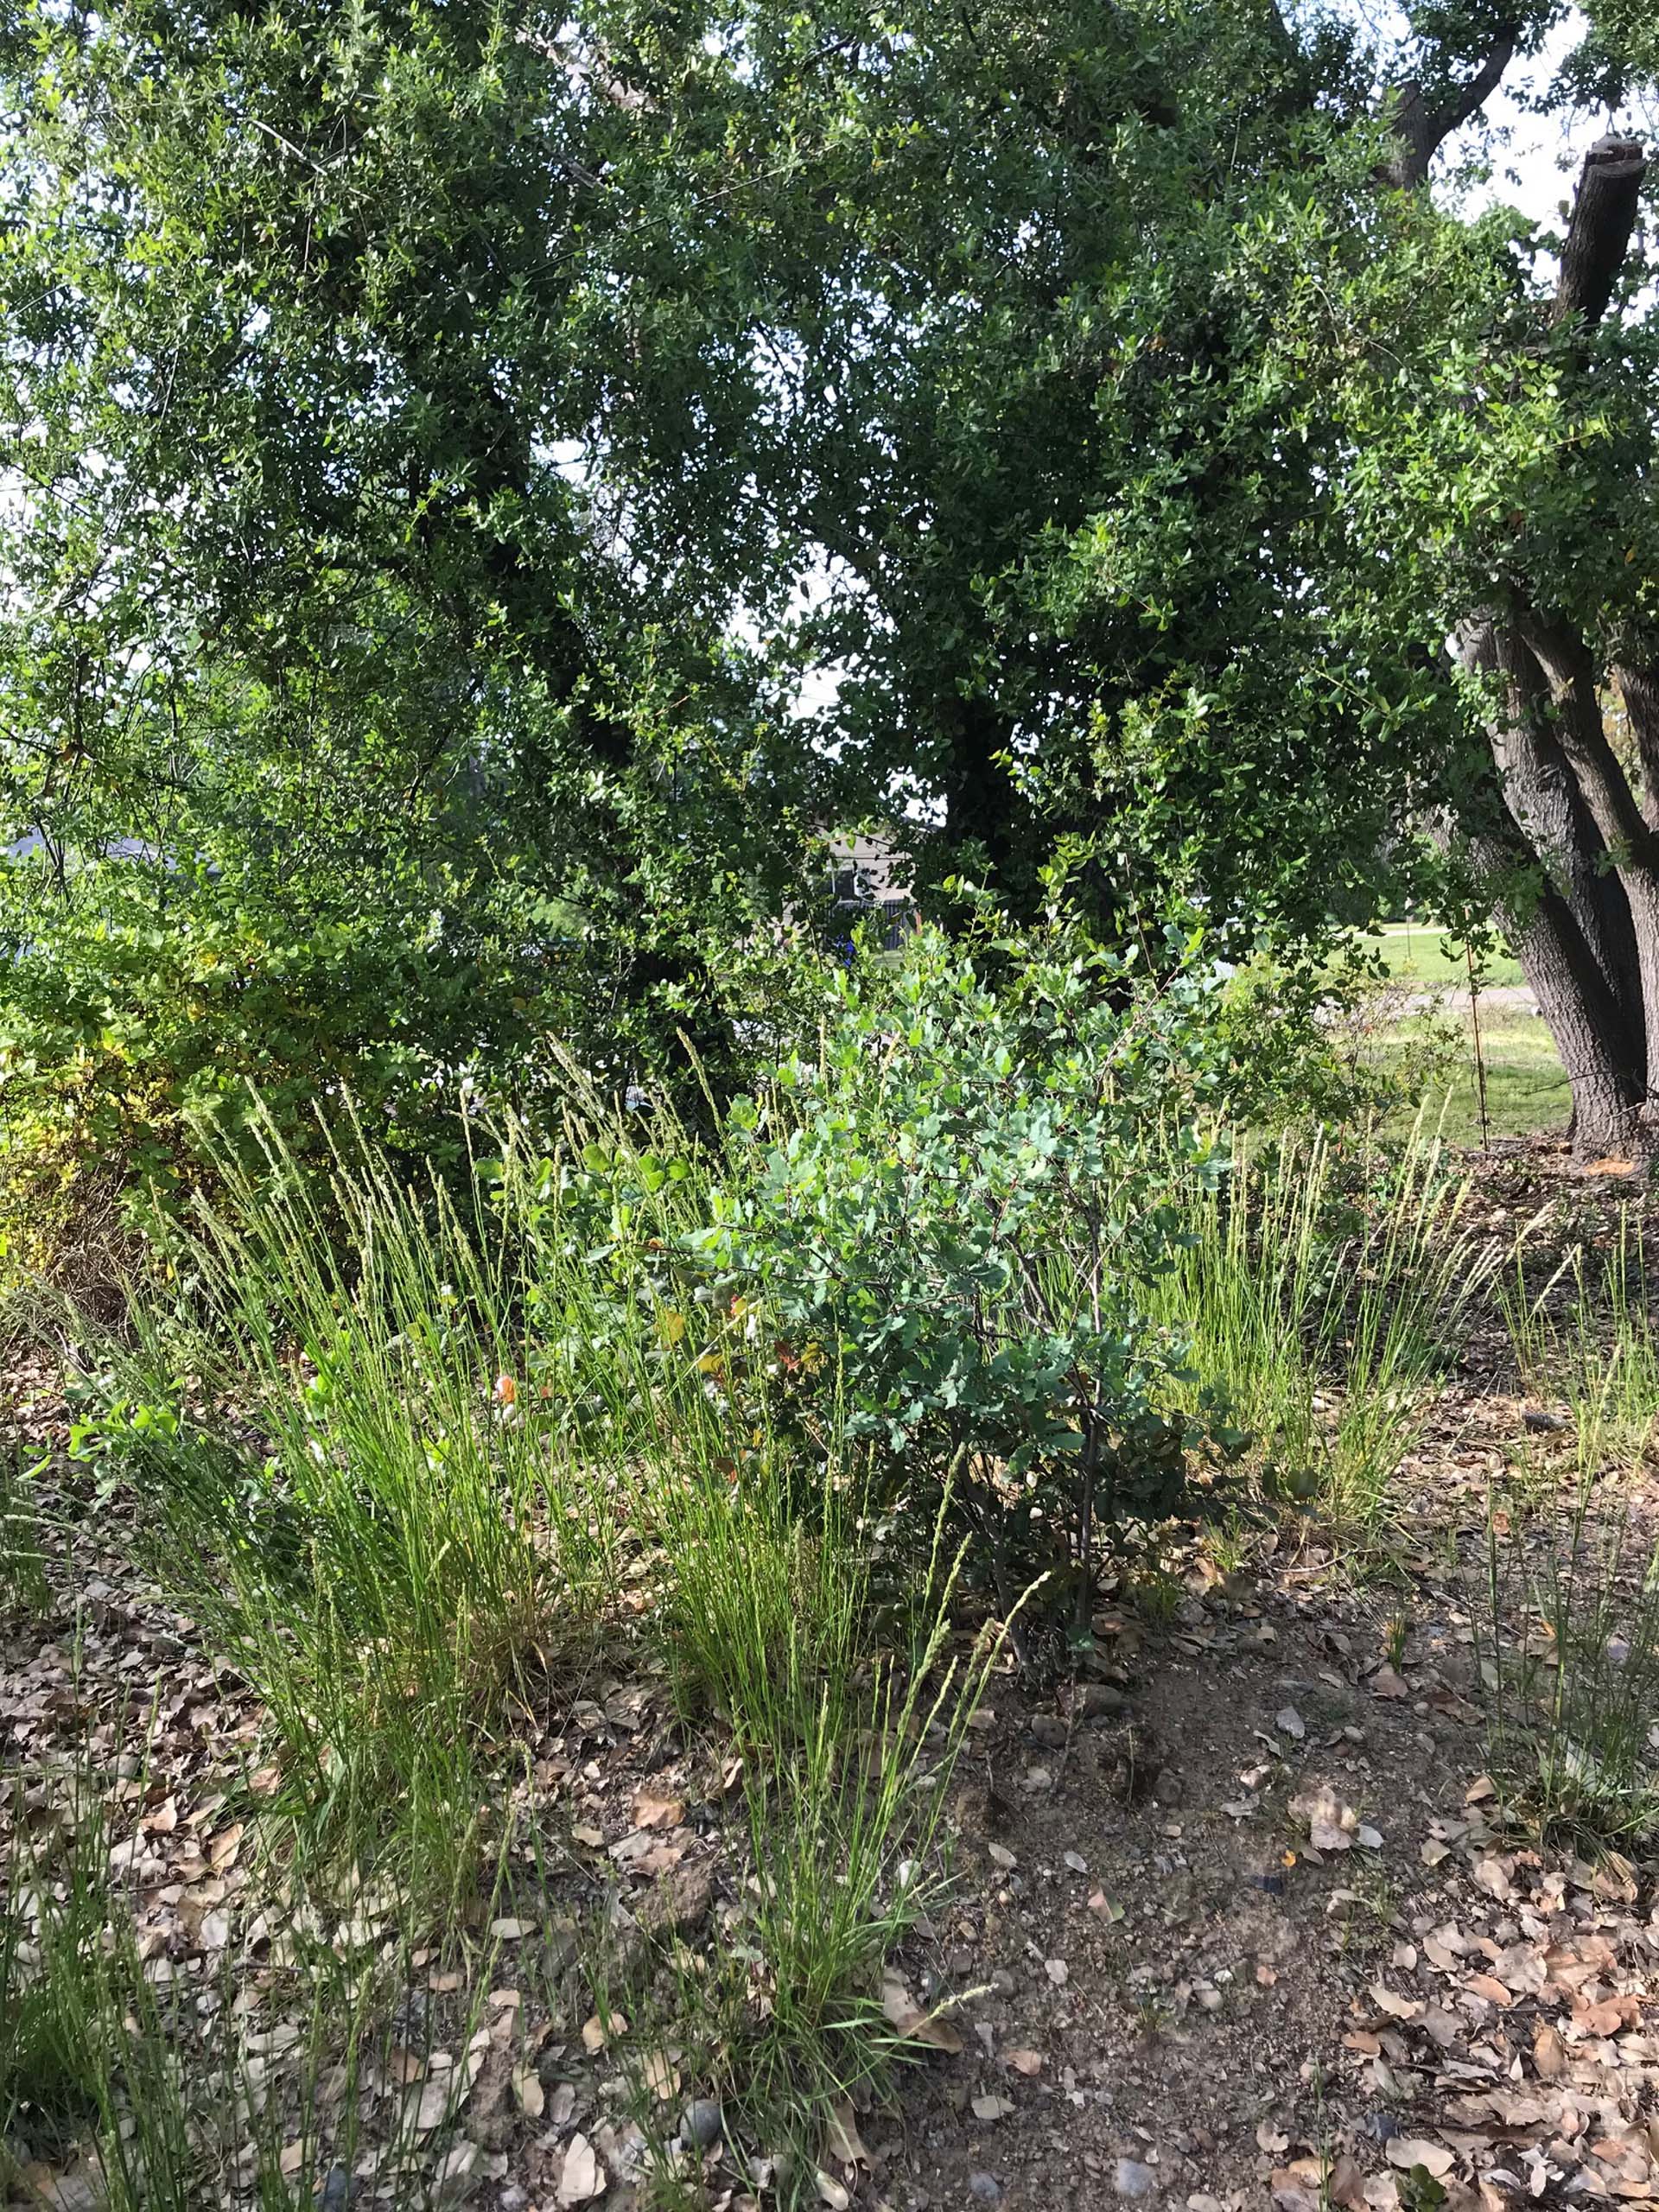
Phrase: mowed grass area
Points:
(1423, 952)
(1526, 1090)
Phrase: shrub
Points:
(956, 1208)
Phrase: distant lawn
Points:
(1526, 1089)
(1418, 952)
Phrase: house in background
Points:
(862, 889)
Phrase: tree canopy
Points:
(444, 441)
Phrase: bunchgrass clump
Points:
(1319, 1315)
(1569, 1664)
(1587, 1339)
(412, 1462)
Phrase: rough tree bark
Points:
(1589, 945)
(1571, 811)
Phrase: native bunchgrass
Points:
(1588, 1339)
(1320, 1308)
(22, 1565)
(122, 2089)
(321, 1426)
(847, 1701)
(418, 1464)
(74, 2077)
(1569, 1665)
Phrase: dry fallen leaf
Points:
(1607, 2017)
(1409, 2151)
(1548, 2052)
(582, 2175)
(596, 2033)
(510, 1931)
(1492, 1876)
(843, 2141)
(528, 2093)
(831, 2192)
(1398, 2007)
(903, 2014)
(1329, 1823)
(1027, 2063)
(650, 1811)
(992, 2107)
(440, 2095)
(1489, 1986)
(1345, 2186)
(660, 2075)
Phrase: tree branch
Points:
(1598, 236)
(1423, 128)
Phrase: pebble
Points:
(1133, 2179)
(1095, 1700)
(984, 2189)
(702, 2123)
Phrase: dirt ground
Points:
(1235, 1920)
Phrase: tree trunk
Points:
(1580, 814)
(1587, 1018)
(1572, 864)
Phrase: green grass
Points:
(1570, 1667)
(1526, 1090)
(1588, 1339)
(1571, 1664)
(411, 1465)
(1323, 1296)
(1421, 952)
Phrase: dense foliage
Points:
(954, 1212)
(488, 492)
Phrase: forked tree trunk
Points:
(1574, 867)
(1575, 813)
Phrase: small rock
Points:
(1289, 1722)
(1133, 2179)
(984, 2189)
(1096, 1701)
(702, 2123)
(678, 1903)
